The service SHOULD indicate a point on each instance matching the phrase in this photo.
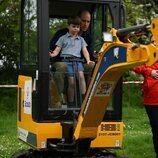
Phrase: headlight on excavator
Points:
(107, 37)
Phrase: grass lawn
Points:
(8, 139)
(137, 141)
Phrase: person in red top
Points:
(150, 96)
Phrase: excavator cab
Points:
(43, 122)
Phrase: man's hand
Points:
(154, 74)
(95, 54)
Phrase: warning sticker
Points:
(27, 96)
(22, 134)
(104, 88)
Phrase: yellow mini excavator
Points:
(90, 126)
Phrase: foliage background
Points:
(9, 40)
(137, 11)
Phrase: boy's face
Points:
(74, 29)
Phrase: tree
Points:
(136, 11)
(9, 39)
(140, 11)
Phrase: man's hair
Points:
(82, 12)
(74, 20)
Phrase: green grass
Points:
(8, 138)
(8, 98)
(137, 141)
(137, 138)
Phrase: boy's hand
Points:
(51, 53)
(90, 62)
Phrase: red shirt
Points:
(150, 85)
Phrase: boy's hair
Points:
(74, 20)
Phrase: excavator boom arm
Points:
(114, 59)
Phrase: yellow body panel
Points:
(109, 135)
(40, 131)
(94, 106)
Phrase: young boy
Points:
(70, 46)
